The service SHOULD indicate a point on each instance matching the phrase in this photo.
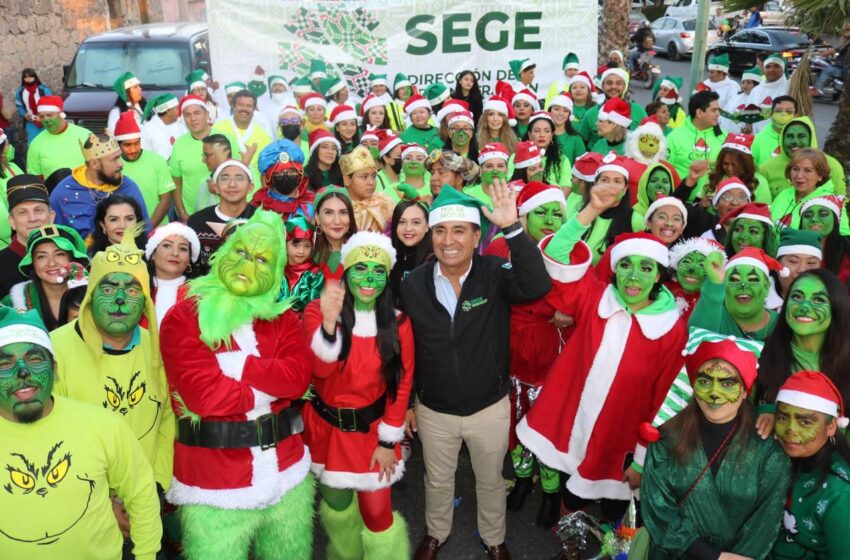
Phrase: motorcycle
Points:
(645, 71)
(834, 86)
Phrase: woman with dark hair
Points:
(822, 216)
(130, 98)
(362, 379)
(334, 226)
(411, 239)
(113, 215)
(811, 333)
(467, 89)
(171, 251)
(710, 487)
(733, 161)
(26, 100)
(459, 135)
(344, 122)
(557, 168)
(572, 146)
(47, 262)
(612, 221)
(322, 169)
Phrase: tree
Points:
(614, 28)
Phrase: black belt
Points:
(265, 432)
(350, 419)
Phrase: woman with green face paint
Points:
(711, 488)
(822, 215)
(750, 226)
(493, 161)
(416, 180)
(687, 260)
(460, 134)
(816, 521)
(362, 375)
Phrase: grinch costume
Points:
(238, 362)
(687, 259)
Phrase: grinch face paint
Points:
(26, 381)
(801, 432)
(747, 233)
(366, 281)
(487, 177)
(118, 303)
(413, 168)
(691, 272)
(659, 184)
(544, 220)
(248, 268)
(745, 292)
(648, 145)
(809, 311)
(719, 390)
(52, 122)
(635, 276)
(796, 136)
(819, 219)
(460, 138)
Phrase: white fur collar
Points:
(364, 324)
(652, 326)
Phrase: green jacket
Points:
(765, 144)
(710, 314)
(686, 144)
(587, 126)
(643, 200)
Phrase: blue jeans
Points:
(831, 72)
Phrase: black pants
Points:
(612, 510)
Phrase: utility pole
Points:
(698, 58)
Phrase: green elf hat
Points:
(233, 87)
(670, 82)
(330, 86)
(277, 80)
(754, 74)
(799, 242)
(301, 86)
(520, 66)
(321, 194)
(318, 69)
(570, 62)
(436, 94)
(453, 206)
(196, 79)
(720, 62)
(124, 82)
(401, 81)
(66, 238)
(23, 327)
(377, 80)
(161, 103)
(775, 59)
(299, 227)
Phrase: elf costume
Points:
(303, 282)
(236, 363)
(672, 98)
(121, 86)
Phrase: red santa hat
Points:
(743, 359)
(158, 235)
(741, 142)
(753, 256)
(414, 102)
(537, 115)
(814, 391)
(527, 153)
(616, 111)
(320, 135)
(371, 133)
(502, 106)
(641, 244)
(564, 100)
(666, 201)
(407, 149)
(387, 140)
(754, 211)
(371, 102)
(526, 95)
(727, 185)
(312, 99)
(191, 100)
(615, 72)
(342, 113)
(587, 165)
(535, 194)
(613, 162)
(51, 104)
(694, 245)
(461, 116)
(126, 128)
(505, 90)
(834, 203)
(493, 150)
(452, 106)
(583, 78)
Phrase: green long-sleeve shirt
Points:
(711, 314)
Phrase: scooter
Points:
(646, 72)
(834, 86)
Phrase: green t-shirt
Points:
(187, 163)
(150, 172)
(428, 138)
(49, 152)
(572, 146)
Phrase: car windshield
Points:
(786, 37)
(156, 65)
(691, 25)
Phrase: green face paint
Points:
(366, 281)
(659, 184)
(745, 292)
(819, 219)
(635, 277)
(796, 136)
(797, 426)
(537, 176)
(691, 272)
(545, 220)
(52, 124)
(487, 177)
(782, 118)
(809, 311)
(118, 303)
(248, 270)
(717, 386)
(460, 138)
(376, 153)
(413, 168)
(747, 233)
(26, 380)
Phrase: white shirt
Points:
(159, 137)
(445, 291)
(763, 91)
(166, 295)
(270, 107)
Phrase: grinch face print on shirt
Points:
(118, 303)
(545, 220)
(747, 233)
(366, 281)
(248, 269)
(26, 381)
(635, 276)
(818, 219)
(659, 184)
(35, 484)
(691, 272)
(132, 398)
(745, 292)
(809, 311)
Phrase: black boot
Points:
(522, 488)
(550, 510)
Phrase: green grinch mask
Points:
(366, 281)
(648, 145)
(782, 118)
(747, 232)
(819, 219)
(118, 303)
(635, 276)
(795, 136)
(413, 168)
(798, 426)
(718, 385)
(745, 292)
(691, 272)
(487, 177)
(544, 220)
(460, 138)
(248, 268)
(659, 184)
(26, 380)
(809, 311)
(52, 124)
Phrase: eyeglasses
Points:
(729, 197)
(290, 121)
(227, 179)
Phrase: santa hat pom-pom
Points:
(784, 272)
(648, 433)
(511, 123)
(843, 422)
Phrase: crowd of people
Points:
(228, 302)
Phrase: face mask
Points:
(248, 270)
(413, 168)
(285, 184)
(691, 272)
(396, 166)
(635, 276)
(366, 281)
(290, 131)
(796, 136)
(545, 220)
(375, 152)
(25, 365)
(487, 177)
(809, 311)
(818, 219)
(717, 386)
(279, 97)
(747, 233)
(460, 138)
(745, 292)
(659, 184)
(118, 303)
(782, 118)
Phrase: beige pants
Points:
(486, 436)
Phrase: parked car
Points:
(160, 55)
(675, 35)
(774, 13)
(748, 44)
(636, 20)
(688, 8)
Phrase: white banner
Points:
(429, 40)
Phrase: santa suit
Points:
(612, 375)
(686, 301)
(764, 94)
(270, 107)
(159, 137)
(266, 368)
(341, 459)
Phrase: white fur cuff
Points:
(326, 351)
(232, 363)
(390, 434)
(640, 454)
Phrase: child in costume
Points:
(363, 374)
(687, 260)
(303, 281)
(237, 361)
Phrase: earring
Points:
(832, 440)
(189, 269)
(318, 230)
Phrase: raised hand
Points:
(330, 302)
(714, 267)
(504, 211)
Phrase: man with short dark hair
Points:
(246, 125)
(766, 143)
(700, 138)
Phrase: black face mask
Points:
(284, 184)
(291, 131)
(396, 166)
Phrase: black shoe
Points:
(522, 488)
(550, 510)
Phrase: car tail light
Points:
(787, 54)
(685, 35)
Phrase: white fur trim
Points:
(752, 77)
(374, 101)
(193, 85)
(190, 102)
(166, 295)
(128, 136)
(615, 118)
(454, 213)
(640, 454)
(48, 108)
(641, 247)
(246, 339)
(799, 250)
(365, 325)
(748, 261)
(666, 201)
(729, 187)
(522, 164)
(232, 363)
(224, 165)
(541, 198)
(390, 145)
(175, 228)
(719, 67)
(390, 434)
(20, 332)
(735, 146)
(526, 97)
(344, 116)
(560, 101)
(820, 201)
(18, 297)
(652, 326)
(315, 101)
(494, 154)
(455, 117)
(418, 104)
(564, 272)
(362, 238)
(579, 79)
(412, 149)
(361, 482)
(616, 71)
(496, 105)
(326, 351)
(693, 245)
(613, 167)
(598, 489)
(809, 402)
(756, 217)
(331, 139)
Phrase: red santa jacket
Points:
(266, 368)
